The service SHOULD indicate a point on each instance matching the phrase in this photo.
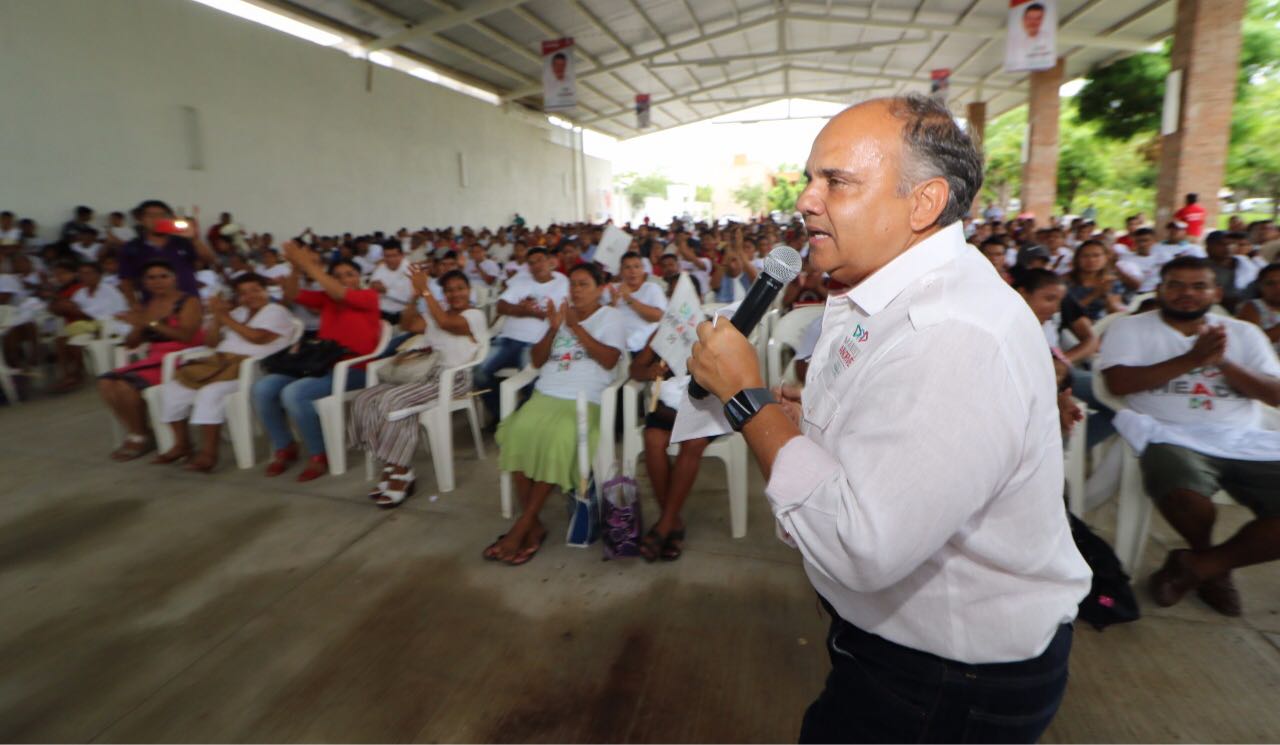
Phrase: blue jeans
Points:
(503, 353)
(276, 395)
(1099, 425)
(879, 691)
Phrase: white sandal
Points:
(376, 492)
(393, 498)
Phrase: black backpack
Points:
(1110, 599)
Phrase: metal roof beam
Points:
(872, 74)
(698, 91)
(835, 49)
(635, 59)
(472, 12)
(990, 28)
(794, 94)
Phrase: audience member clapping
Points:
(253, 329)
(168, 320)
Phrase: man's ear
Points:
(930, 198)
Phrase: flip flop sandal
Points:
(673, 546)
(395, 497)
(490, 553)
(652, 544)
(376, 491)
(132, 449)
(524, 556)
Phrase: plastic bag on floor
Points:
(620, 515)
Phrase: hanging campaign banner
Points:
(642, 110)
(678, 329)
(559, 89)
(613, 244)
(940, 84)
(1031, 37)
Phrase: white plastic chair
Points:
(333, 408)
(237, 406)
(788, 332)
(731, 448)
(510, 388)
(6, 383)
(1075, 463)
(1133, 513)
(437, 418)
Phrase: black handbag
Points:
(1110, 599)
(309, 358)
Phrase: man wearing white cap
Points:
(1176, 243)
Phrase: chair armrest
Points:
(249, 368)
(508, 389)
(341, 369)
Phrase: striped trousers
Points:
(394, 443)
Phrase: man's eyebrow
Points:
(839, 173)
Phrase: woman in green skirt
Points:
(538, 444)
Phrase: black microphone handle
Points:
(748, 315)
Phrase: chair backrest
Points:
(789, 329)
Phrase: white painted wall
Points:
(93, 91)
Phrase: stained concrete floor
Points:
(143, 603)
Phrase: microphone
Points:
(780, 267)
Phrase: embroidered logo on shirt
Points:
(846, 353)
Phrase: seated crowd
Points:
(1186, 329)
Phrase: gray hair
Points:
(934, 146)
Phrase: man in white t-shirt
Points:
(1139, 270)
(523, 305)
(640, 302)
(391, 279)
(1176, 243)
(1196, 385)
(516, 264)
(86, 246)
(274, 271)
(479, 268)
(10, 233)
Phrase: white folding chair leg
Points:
(440, 436)
(333, 426)
(1075, 467)
(163, 432)
(473, 416)
(240, 428)
(505, 489)
(736, 465)
(1133, 514)
(370, 466)
(7, 385)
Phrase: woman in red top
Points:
(168, 322)
(348, 316)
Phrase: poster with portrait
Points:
(642, 110)
(559, 89)
(940, 84)
(1031, 42)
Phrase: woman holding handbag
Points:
(350, 318)
(168, 321)
(253, 329)
(449, 338)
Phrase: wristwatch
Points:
(745, 404)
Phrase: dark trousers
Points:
(879, 691)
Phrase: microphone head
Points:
(783, 264)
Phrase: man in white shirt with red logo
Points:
(921, 474)
(1195, 384)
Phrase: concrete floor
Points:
(143, 603)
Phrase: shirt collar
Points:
(878, 290)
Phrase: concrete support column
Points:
(1040, 172)
(1206, 49)
(976, 116)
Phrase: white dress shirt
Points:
(103, 304)
(926, 492)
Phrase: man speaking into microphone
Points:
(920, 475)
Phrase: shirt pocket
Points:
(820, 406)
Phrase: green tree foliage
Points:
(782, 197)
(1003, 151)
(1253, 167)
(637, 188)
(1125, 98)
(702, 193)
(751, 196)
